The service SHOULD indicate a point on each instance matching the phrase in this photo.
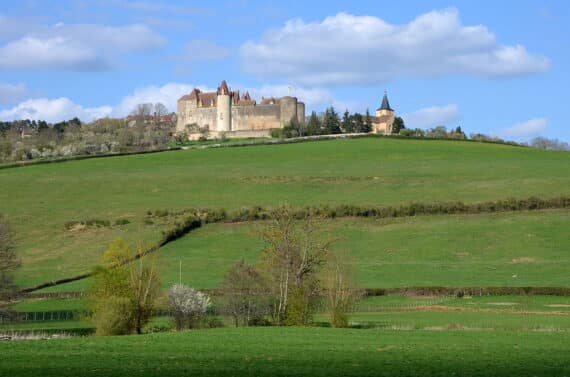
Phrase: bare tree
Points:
(142, 110)
(340, 289)
(549, 144)
(160, 109)
(294, 253)
(245, 296)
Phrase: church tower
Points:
(224, 110)
(385, 108)
(384, 121)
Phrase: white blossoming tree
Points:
(188, 305)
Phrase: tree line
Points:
(149, 127)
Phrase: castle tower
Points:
(288, 107)
(224, 110)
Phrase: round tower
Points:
(288, 106)
(224, 109)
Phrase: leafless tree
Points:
(142, 110)
(340, 290)
(245, 296)
(294, 253)
(160, 109)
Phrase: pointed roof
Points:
(223, 88)
(385, 103)
(246, 96)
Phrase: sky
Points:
(495, 67)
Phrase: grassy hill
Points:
(39, 200)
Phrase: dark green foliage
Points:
(398, 125)
(331, 122)
(347, 124)
(122, 222)
(180, 229)
(314, 125)
(367, 122)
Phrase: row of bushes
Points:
(412, 209)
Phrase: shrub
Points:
(188, 306)
(115, 317)
(122, 222)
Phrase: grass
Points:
(438, 320)
(506, 249)
(49, 304)
(475, 303)
(509, 249)
(295, 351)
(39, 200)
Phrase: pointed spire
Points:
(223, 88)
(385, 103)
(246, 96)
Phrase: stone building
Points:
(226, 112)
(383, 122)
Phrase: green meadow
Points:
(392, 335)
(39, 200)
(295, 351)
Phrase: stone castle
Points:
(226, 112)
(233, 115)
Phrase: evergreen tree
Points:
(332, 122)
(314, 125)
(398, 125)
(358, 123)
(367, 122)
(347, 125)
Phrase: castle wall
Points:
(259, 117)
(189, 114)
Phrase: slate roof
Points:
(385, 103)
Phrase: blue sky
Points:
(494, 67)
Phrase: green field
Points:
(39, 200)
(391, 335)
(295, 351)
(505, 249)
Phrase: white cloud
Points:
(167, 94)
(198, 50)
(53, 110)
(432, 116)
(11, 93)
(77, 47)
(522, 130)
(348, 49)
